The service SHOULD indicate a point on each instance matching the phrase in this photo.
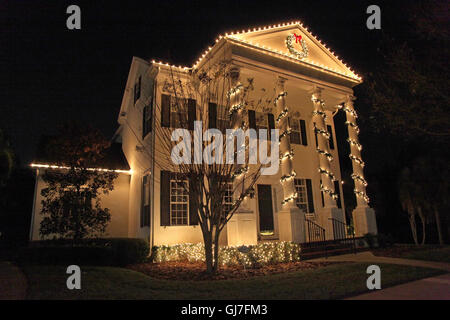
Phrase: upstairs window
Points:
(298, 131)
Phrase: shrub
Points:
(112, 252)
(248, 256)
(370, 239)
(385, 241)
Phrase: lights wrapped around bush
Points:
(249, 256)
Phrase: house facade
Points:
(308, 83)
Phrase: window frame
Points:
(184, 193)
(304, 193)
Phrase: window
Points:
(228, 199)
(298, 131)
(261, 122)
(147, 120)
(295, 135)
(223, 120)
(137, 90)
(145, 207)
(179, 203)
(178, 112)
(302, 195)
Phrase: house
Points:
(302, 200)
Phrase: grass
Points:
(330, 282)
(430, 253)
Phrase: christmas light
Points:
(359, 178)
(325, 153)
(288, 176)
(49, 166)
(287, 155)
(292, 197)
(283, 114)
(357, 160)
(320, 113)
(353, 125)
(240, 171)
(354, 143)
(328, 173)
(235, 108)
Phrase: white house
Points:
(310, 83)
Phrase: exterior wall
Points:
(116, 201)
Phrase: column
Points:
(363, 216)
(330, 210)
(242, 227)
(291, 220)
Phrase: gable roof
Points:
(272, 40)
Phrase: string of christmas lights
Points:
(359, 178)
(283, 114)
(328, 173)
(288, 176)
(353, 125)
(355, 143)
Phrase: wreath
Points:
(290, 46)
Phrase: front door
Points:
(265, 209)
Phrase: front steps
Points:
(319, 249)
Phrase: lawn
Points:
(329, 282)
(428, 253)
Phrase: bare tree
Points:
(215, 98)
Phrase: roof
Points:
(272, 40)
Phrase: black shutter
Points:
(252, 119)
(303, 129)
(315, 135)
(165, 110)
(165, 198)
(144, 179)
(321, 194)
(330, 131)
(212, 115)
(193, 214)
(310, 196)
(336, 189)
(271, 121)
(192, 106)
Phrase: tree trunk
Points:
(438, 224)
(412, 224)
(207, 238)
(216, 251)
(423, 220)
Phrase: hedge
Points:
(250, 256)
(105, 252)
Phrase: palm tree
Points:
(6, 159)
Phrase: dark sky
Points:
(50, 75)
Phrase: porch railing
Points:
(315, 232)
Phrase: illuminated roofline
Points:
(232, 36)
(50, 166)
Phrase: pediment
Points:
(296, 43)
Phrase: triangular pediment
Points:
(303, 47)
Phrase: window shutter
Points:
(192, 106)
(144, 181)
(252, 119)
(310, 196)
(315, 135)
(165, 110)
(193, 215)
(271, 121)
(330, 131)
(336, 189)
(303, 131)
(212, 115)
(165, 198)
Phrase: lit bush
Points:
(248, 256)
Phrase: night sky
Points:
(51, 75)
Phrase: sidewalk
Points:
(434, 288)
(13, 284)
(368, 256)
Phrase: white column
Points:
(327, 177)
(291, 220)
(242, 227)
(364, 218)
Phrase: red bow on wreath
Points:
(297, 38)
